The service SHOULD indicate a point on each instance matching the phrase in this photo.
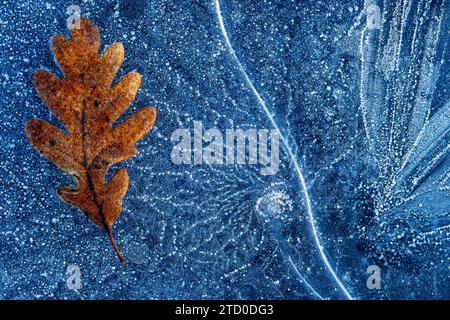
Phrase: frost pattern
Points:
(407, 127)
(226, 232)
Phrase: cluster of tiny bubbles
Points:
(274, 204)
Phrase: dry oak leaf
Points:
(87, 105)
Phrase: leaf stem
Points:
(122, 260)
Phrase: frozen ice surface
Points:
(364, 114)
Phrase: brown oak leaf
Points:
(87, 104)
